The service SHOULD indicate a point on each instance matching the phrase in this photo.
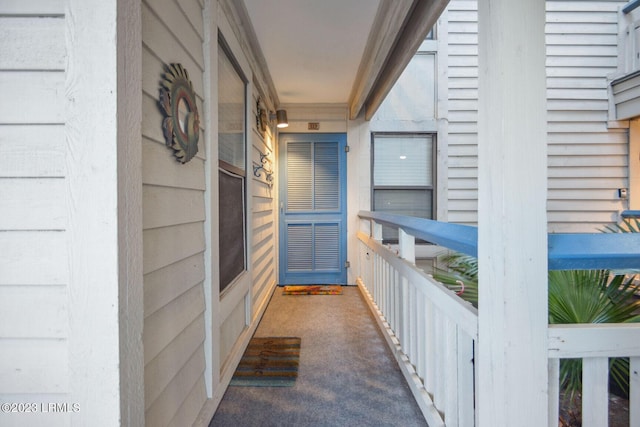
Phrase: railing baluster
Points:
(413, 319)
(421, 334)
(430, 366)
(404, 313)
(384, 290)
(381, 286)
(384, 280)
(634, 391)
(376, 275)
(376, 230)
(438, 392)
(397, 303)
(595, 391)
(554, 391)
(397, 286)
(392, 295)
(407, 246)
(407, 251)
(451, 374)
(466, 404)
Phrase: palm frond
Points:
(459, 268)
(592, 296)
(627, 225)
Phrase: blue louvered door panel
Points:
(312, 209)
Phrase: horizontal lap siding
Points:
(263, 234)
(462, 60)
(173, 223)
(587, 160)
(34, 275)
(626, 96)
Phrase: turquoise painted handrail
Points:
(631, 6)
(630, 214)
(458, 237)
(576, 251)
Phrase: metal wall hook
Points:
(260, 169)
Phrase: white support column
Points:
(376, 230)
(634, 164)
(130, 249)
(512, 245)
(212, 284)
(407, 246)
(103, 111)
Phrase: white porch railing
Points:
(433, 333)
(594, 344)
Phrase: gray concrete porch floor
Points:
(347, 374)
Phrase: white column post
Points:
(103, 111)
(130, 250)
(376, 230)
(634, 164)
(407, 246)
(512, 240)
(212, 284)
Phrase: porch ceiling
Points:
(336, 51)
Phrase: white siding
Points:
(60, 273)
(585, 156)
(626, 96)
(173, 223)
(34, 275)
(175, 211)
(462, 61)
(587, 160)
(262, 217)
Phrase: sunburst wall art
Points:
(181, 123)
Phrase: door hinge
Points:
(347, 264)
(346, 148)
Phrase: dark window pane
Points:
(231, 227)
(415, 203)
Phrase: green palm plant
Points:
(592, 296)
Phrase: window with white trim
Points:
(232, 94)
(403, 176)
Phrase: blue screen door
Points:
(313, 238)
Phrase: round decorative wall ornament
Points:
(181, 124)
(261, 118)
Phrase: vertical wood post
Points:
(376, 230)
(130, 247)
(634, 164)
(407, 245)
(634, 391)
(595, 391)
(212, 289)
(103, 110)
(512, 237)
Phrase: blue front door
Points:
(313, 209)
